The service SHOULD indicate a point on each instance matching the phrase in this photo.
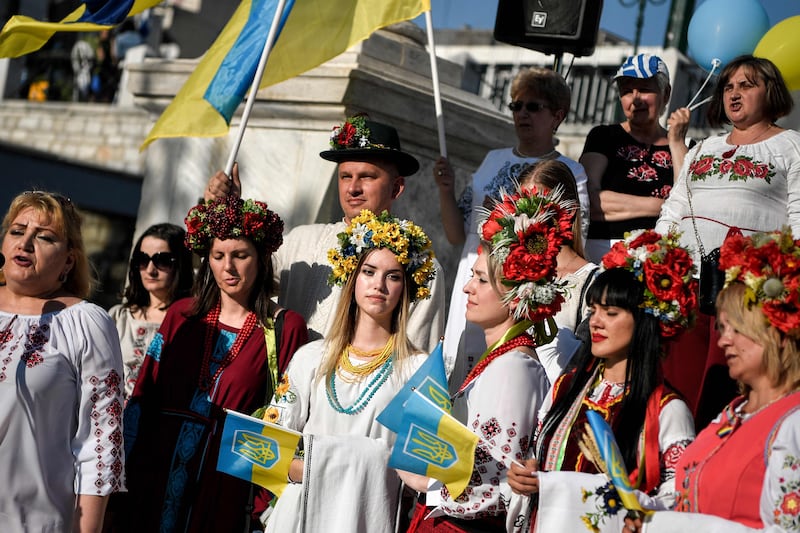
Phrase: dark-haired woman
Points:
(221, 349)
(159, 273)
(619, 373)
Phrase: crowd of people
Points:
(651, 283)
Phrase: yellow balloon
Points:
(780, 45)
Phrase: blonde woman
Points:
(335, 388)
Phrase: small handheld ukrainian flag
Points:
(433, 443)
(430, 380)
(257, 451)
(612, 457)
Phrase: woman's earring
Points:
(63, 277)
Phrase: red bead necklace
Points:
(521, 340)
(211, 321)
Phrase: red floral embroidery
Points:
(644, 173)
(662, 158)
(791, 504)
(107, 430)
(670, 457)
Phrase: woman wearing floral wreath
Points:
(742, 473)
(336, 387)
(60, 379)
(540, 101)
(222, 349)
(644, 296)
(512, 289)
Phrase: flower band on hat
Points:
(642, 66)
(666, 271)
(525, 231)
(232, 218)
(359, 139)
(768, 265)
(403, 238)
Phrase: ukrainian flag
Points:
(612, 458)
(22, 35)
(430, 380)
(257, 451)
(433, 443)
(313, 32)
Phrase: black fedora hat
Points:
(361, 139)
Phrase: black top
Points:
(633, 168)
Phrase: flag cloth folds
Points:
(314, 32)
(612, 457)
(430, 380)
(433, 443)
(22, 35)
(256, 451)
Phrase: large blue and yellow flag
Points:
(433, 443)
(314, 32)
(257, 451)
(22, 35)
(612, 457)
(430, 380)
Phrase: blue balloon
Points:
(724, 29)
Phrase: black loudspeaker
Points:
(549, 26)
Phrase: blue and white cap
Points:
(642, 66)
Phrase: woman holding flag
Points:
(513, 288)
(335, 387)
(645, 295)
(222, 349)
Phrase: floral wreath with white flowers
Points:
(666, 270)
(353, 133)
(232, 218)
(526, 230)
(405, 239)
(768, 264)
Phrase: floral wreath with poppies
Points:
(526, 230)
(405, 239)
(353, 133)
(666, 270)
(768, 264)
(232, 218)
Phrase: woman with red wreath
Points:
(513, 288)
(743, 471)
(644, 296)
(224, 348)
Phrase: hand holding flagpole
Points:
(437, 97)
(251, 98)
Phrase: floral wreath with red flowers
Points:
(768, 264)
(526, 230)
(353, 133)
(666, 270)
(232, 218)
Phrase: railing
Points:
(594, 95)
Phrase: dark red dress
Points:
(172, 428)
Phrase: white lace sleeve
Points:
(502, 405)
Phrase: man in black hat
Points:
(371, 171)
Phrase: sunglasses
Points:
(532, 107)
(161, 260)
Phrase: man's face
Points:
(369, 185)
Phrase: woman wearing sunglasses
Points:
(540, 100)
(159, 272)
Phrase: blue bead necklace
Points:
(366, 395)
